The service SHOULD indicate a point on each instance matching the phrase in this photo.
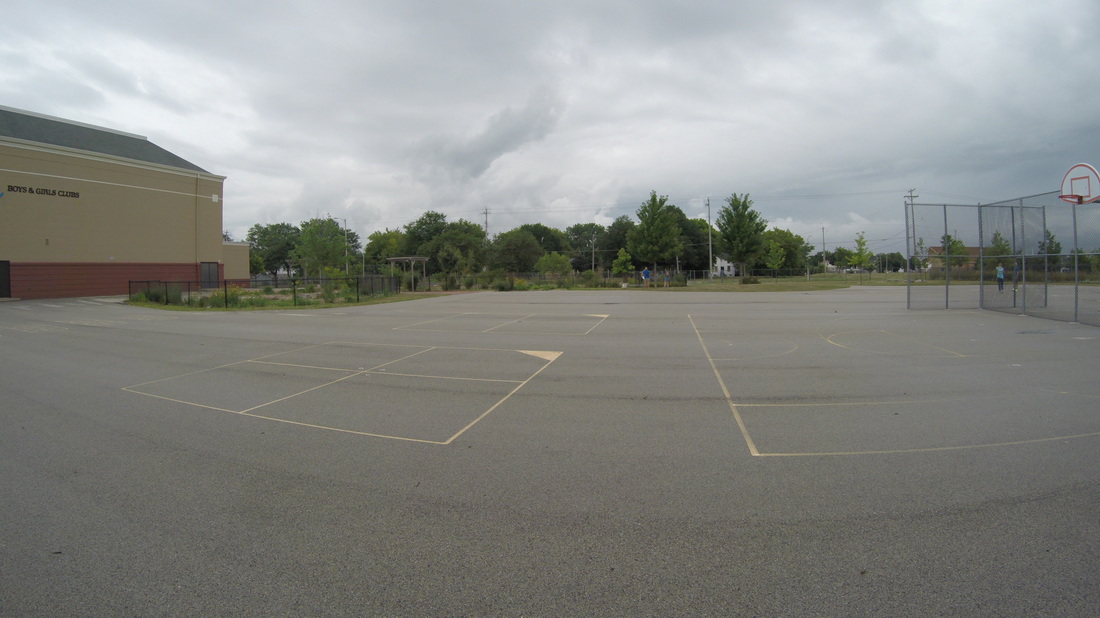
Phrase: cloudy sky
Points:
(825, 111)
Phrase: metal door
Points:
(5, 279)
(208, 274)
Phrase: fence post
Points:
(357, 289)
(225, 292)
(294, 288)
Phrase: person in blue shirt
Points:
(1000, 278)
(645, 277)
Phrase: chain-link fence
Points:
(262, 293)
(1032, 255)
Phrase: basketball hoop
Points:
(1080, 185)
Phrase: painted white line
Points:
(726, 392)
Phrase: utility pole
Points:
(710, 244)
(910, 214)
(485, 212)
(823, 262)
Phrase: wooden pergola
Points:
(408, 264)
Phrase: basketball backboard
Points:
(1081, 184)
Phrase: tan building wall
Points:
(235, 256)
(60, 207)
(63, 210)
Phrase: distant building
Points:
(967, 261)
(85, 209)
(722, 268)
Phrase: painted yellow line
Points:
(350, 431)
(449, 317)
(934, 449)
(519, 319)
(131, 389)
(726, 392)
(829, 339)
(603, 318)
(302, 366)
(906, 402)
(283, 420)
(498, 404)
(191, 373)
(547, 356)
(424, 375)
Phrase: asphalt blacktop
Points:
(620, 452)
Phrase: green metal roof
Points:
(57, 132)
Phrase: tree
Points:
(842, 257)
(255, 263)
(954, 251)
(553, 264)
(382, 245)
(458, 250)
(919, 261)
(586, 239)
(421, 231)
(796, 252)
(622, 265)
(656, 239)
(618, 234)
(696, 240)
(694, 250)
(515, 251)
(774, 256)
(550, 239)
(273, 243)
(740, 231)
(322, 244)
(1052, 249)
(861, 257)
(998, 246)
(892, 261)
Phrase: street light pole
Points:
(710, 244)
(593, 252)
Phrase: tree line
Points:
(660, 236)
